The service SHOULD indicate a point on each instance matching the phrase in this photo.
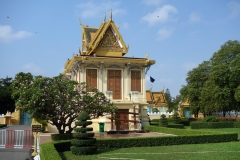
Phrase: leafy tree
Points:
(225, 73)
(215, 85)
(58, 99)
(171, 102)
(196, 79)
(6, 101)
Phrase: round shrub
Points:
(83, 123)
(82, 142)
(83, 135)
(83, 150)
(83, 130)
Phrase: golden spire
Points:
(111, 15)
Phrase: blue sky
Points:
(39, 36)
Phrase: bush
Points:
(163, 121)
(223, 124)
(3, 125)
(83, 142)
(58, 137)
(175, 118)
(210, 119)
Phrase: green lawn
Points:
(213, 151)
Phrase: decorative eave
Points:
(143, 62)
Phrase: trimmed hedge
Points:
(3, 125)
(223, 124)
(58, 137)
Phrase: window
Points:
(135, 80)
(91, 78)
(114, 83)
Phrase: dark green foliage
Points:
(58, 137)
(83, 142)
(210, 119)
(6, 101)
(83, 130)
(80, 142)
(83, 135)
(84, 150)
(83, 123)
(163, 121)
(3, 125)
(175, 118)
(223, 124)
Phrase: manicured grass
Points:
(213, 151)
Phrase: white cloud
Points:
(164, 33)
(234, 8)
(161, 14)
(91, 10)
(152, 2)
(7, 34)
(194, 17)
(32, 68)
(188, 66)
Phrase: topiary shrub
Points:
(163, 121)
(175, 118)
(83, 142)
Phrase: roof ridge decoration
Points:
(105, 40)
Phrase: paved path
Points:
(15, 153)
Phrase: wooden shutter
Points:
(114, 83)
(135, 80)
(91, 78)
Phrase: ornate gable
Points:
(104, 41)
(109, 42)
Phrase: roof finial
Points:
(80, 22)
(118, 26)
(146, 56)
(104, 17)
(111, 15)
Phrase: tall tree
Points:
(6, 101)
(225, 72)
(195, 83)
(58, 99)
(214, 86)
(172, 102)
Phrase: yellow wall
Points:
(16, 117)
